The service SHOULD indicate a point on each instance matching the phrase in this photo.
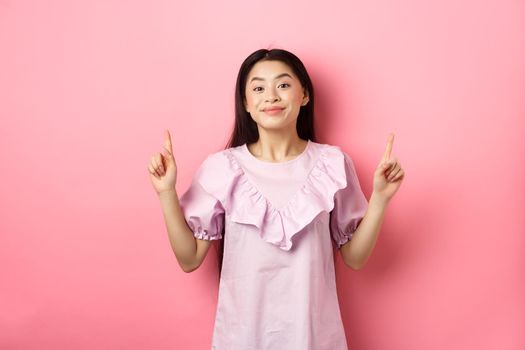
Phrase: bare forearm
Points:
(181, 237)
(357, 251)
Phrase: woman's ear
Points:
(306, 98)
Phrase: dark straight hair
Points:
(245, 128)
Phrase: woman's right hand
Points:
(162, 168)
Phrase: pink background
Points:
(87, 89)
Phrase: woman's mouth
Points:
(273, 111)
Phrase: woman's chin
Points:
(275, 125)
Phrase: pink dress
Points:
(281, 222)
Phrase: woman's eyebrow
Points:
(277, 77)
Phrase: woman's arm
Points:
(357, 250)
(189, 251)
(387, 179)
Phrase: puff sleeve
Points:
(350, 205)
(202, 211)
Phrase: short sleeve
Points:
(349, 208)
(203, 212)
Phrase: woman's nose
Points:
(271, 96)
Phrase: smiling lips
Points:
(273, 110)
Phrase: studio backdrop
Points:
(87, 89)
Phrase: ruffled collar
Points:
(246, 205)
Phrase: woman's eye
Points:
(258, 88)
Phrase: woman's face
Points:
(274, 95)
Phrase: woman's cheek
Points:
(253, 103)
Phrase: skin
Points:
(388, 176)
(189, 251)
(265, 87)
(278, 142)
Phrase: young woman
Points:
(279, 202)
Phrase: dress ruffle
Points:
(246, 205)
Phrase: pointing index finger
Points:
(167, 141)
(388, 149)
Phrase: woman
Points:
(279, 202)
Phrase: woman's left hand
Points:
(389, 174)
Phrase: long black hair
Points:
(245, 128)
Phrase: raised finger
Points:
(388, 149)
(167, 142)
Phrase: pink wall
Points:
(87, 89)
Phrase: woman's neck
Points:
(277, 148)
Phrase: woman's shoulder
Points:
(324, 146)
(331, 152)
(218, 160)
(218, 173)
(212, 165)
(335, 161)
(216, 168)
